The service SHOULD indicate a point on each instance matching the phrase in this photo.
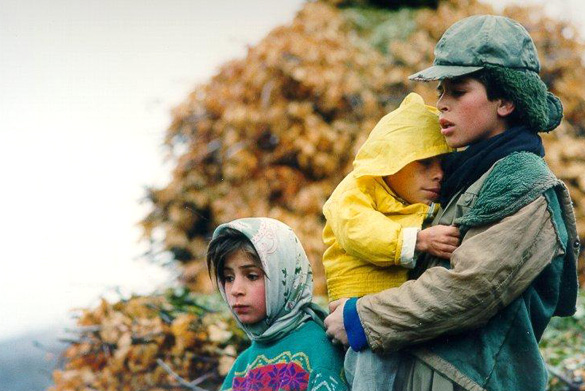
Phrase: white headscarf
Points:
(288, 279)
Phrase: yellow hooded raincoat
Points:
(365, 225)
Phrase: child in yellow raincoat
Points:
(375, 218)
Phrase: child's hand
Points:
(440, 240)
(334, 323)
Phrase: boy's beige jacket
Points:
(505, 281)
(365, 218)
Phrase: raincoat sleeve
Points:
(364, 232)
(493, 266)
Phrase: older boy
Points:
(481, 316)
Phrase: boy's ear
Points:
(505, 108)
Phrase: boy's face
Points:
(467, 116)
(244, 288)
(418, 181)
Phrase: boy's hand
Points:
(440, 240)
(334, 322)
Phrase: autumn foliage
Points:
(272, 134)
(150, 342)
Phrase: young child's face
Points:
(418, 181)
(244, 288)
(467, 116)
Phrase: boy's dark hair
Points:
(228, 242)
(524, 89)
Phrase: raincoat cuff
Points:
(407, 255)
(353, 326)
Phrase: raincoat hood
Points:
(411, 132)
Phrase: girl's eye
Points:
(457, 92)
(228, 278)
(253, 277)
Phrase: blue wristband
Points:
(353, 327)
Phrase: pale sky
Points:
(86, 87)
(85, 92)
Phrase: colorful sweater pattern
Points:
(303, 360)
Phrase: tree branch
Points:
(190, 385)
(572, 386)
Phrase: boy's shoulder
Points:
(514, 181)
(522, 165)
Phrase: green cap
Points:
(494, 42)
(474, 42)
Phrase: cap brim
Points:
(440, 72)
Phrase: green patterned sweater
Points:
(303, 360)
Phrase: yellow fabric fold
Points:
(363, 232)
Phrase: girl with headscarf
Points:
(263, 273)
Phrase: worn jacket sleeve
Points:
(493, 265)
(364, 232)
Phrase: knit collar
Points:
(465, 167)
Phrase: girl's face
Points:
(467, 116)
(244, 288)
